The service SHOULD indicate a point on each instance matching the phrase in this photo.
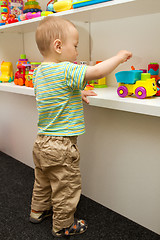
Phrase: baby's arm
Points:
(104, 68)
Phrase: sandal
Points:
(39, 216)
(78, 227)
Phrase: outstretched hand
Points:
(87, 93)
(124, 55)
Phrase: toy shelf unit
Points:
(105, 21)
(112, 9)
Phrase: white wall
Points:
(8, 47)
(18, 126)
(137, 34)
(120, 163)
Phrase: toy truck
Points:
(135, 82)
(23, 75)
(20, 75)
(7, 72)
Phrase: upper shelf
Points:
(99, 12)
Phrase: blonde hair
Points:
(50, 29)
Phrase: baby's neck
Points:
(50, 59)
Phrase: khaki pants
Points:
(57, 178)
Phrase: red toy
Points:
(158, 87)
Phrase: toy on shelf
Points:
(15, 7)
(99, 83)
(7, 72)
(83, 3)
(89, 86)
(158, 87)
(62, 5)
(135, 82)
(10, 10)
(50, 6)
(29, 76)
(31, 6)
(24, 73)
(29, 15)
(59, 6)
(4, 11)
(153, 69)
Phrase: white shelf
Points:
(99, 12)
(11, 87)
(106, 98)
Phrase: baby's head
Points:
(53, 34)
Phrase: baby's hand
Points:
(124, 55)
(87, 93)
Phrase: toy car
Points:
(130, 82)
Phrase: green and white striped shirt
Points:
(58, 88)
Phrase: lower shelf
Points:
(106, 98)
(11, 87)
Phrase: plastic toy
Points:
(89, 86)
(15, 7)
(29, 75)
(153, 68)
(4, 11)
(29, 15)
(83, 3)
(130, 83)
(34, 65)
(32, 6)
(59, 6)
(10, 10)
(62, 6)
(24, 73)
(11, 19)
(46, 13)
(158, 87)
(19, 78)
(7, 72)
(22, 69)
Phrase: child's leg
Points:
(61, 165)
(41, 197)
(66, 188)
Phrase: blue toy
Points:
(83, 3)
(128, 77)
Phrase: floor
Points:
(16, 183)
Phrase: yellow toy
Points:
(62, 5)
(135, 82)
(99, 83)
(7, 72)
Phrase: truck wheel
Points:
(122, 91)
(26, 83)
(16, 81)
(140, 92)
(20, 82)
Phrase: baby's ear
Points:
(57, 45)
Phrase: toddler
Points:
(58, 83)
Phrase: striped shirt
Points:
(57, 89)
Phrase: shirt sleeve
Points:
(74, 76)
